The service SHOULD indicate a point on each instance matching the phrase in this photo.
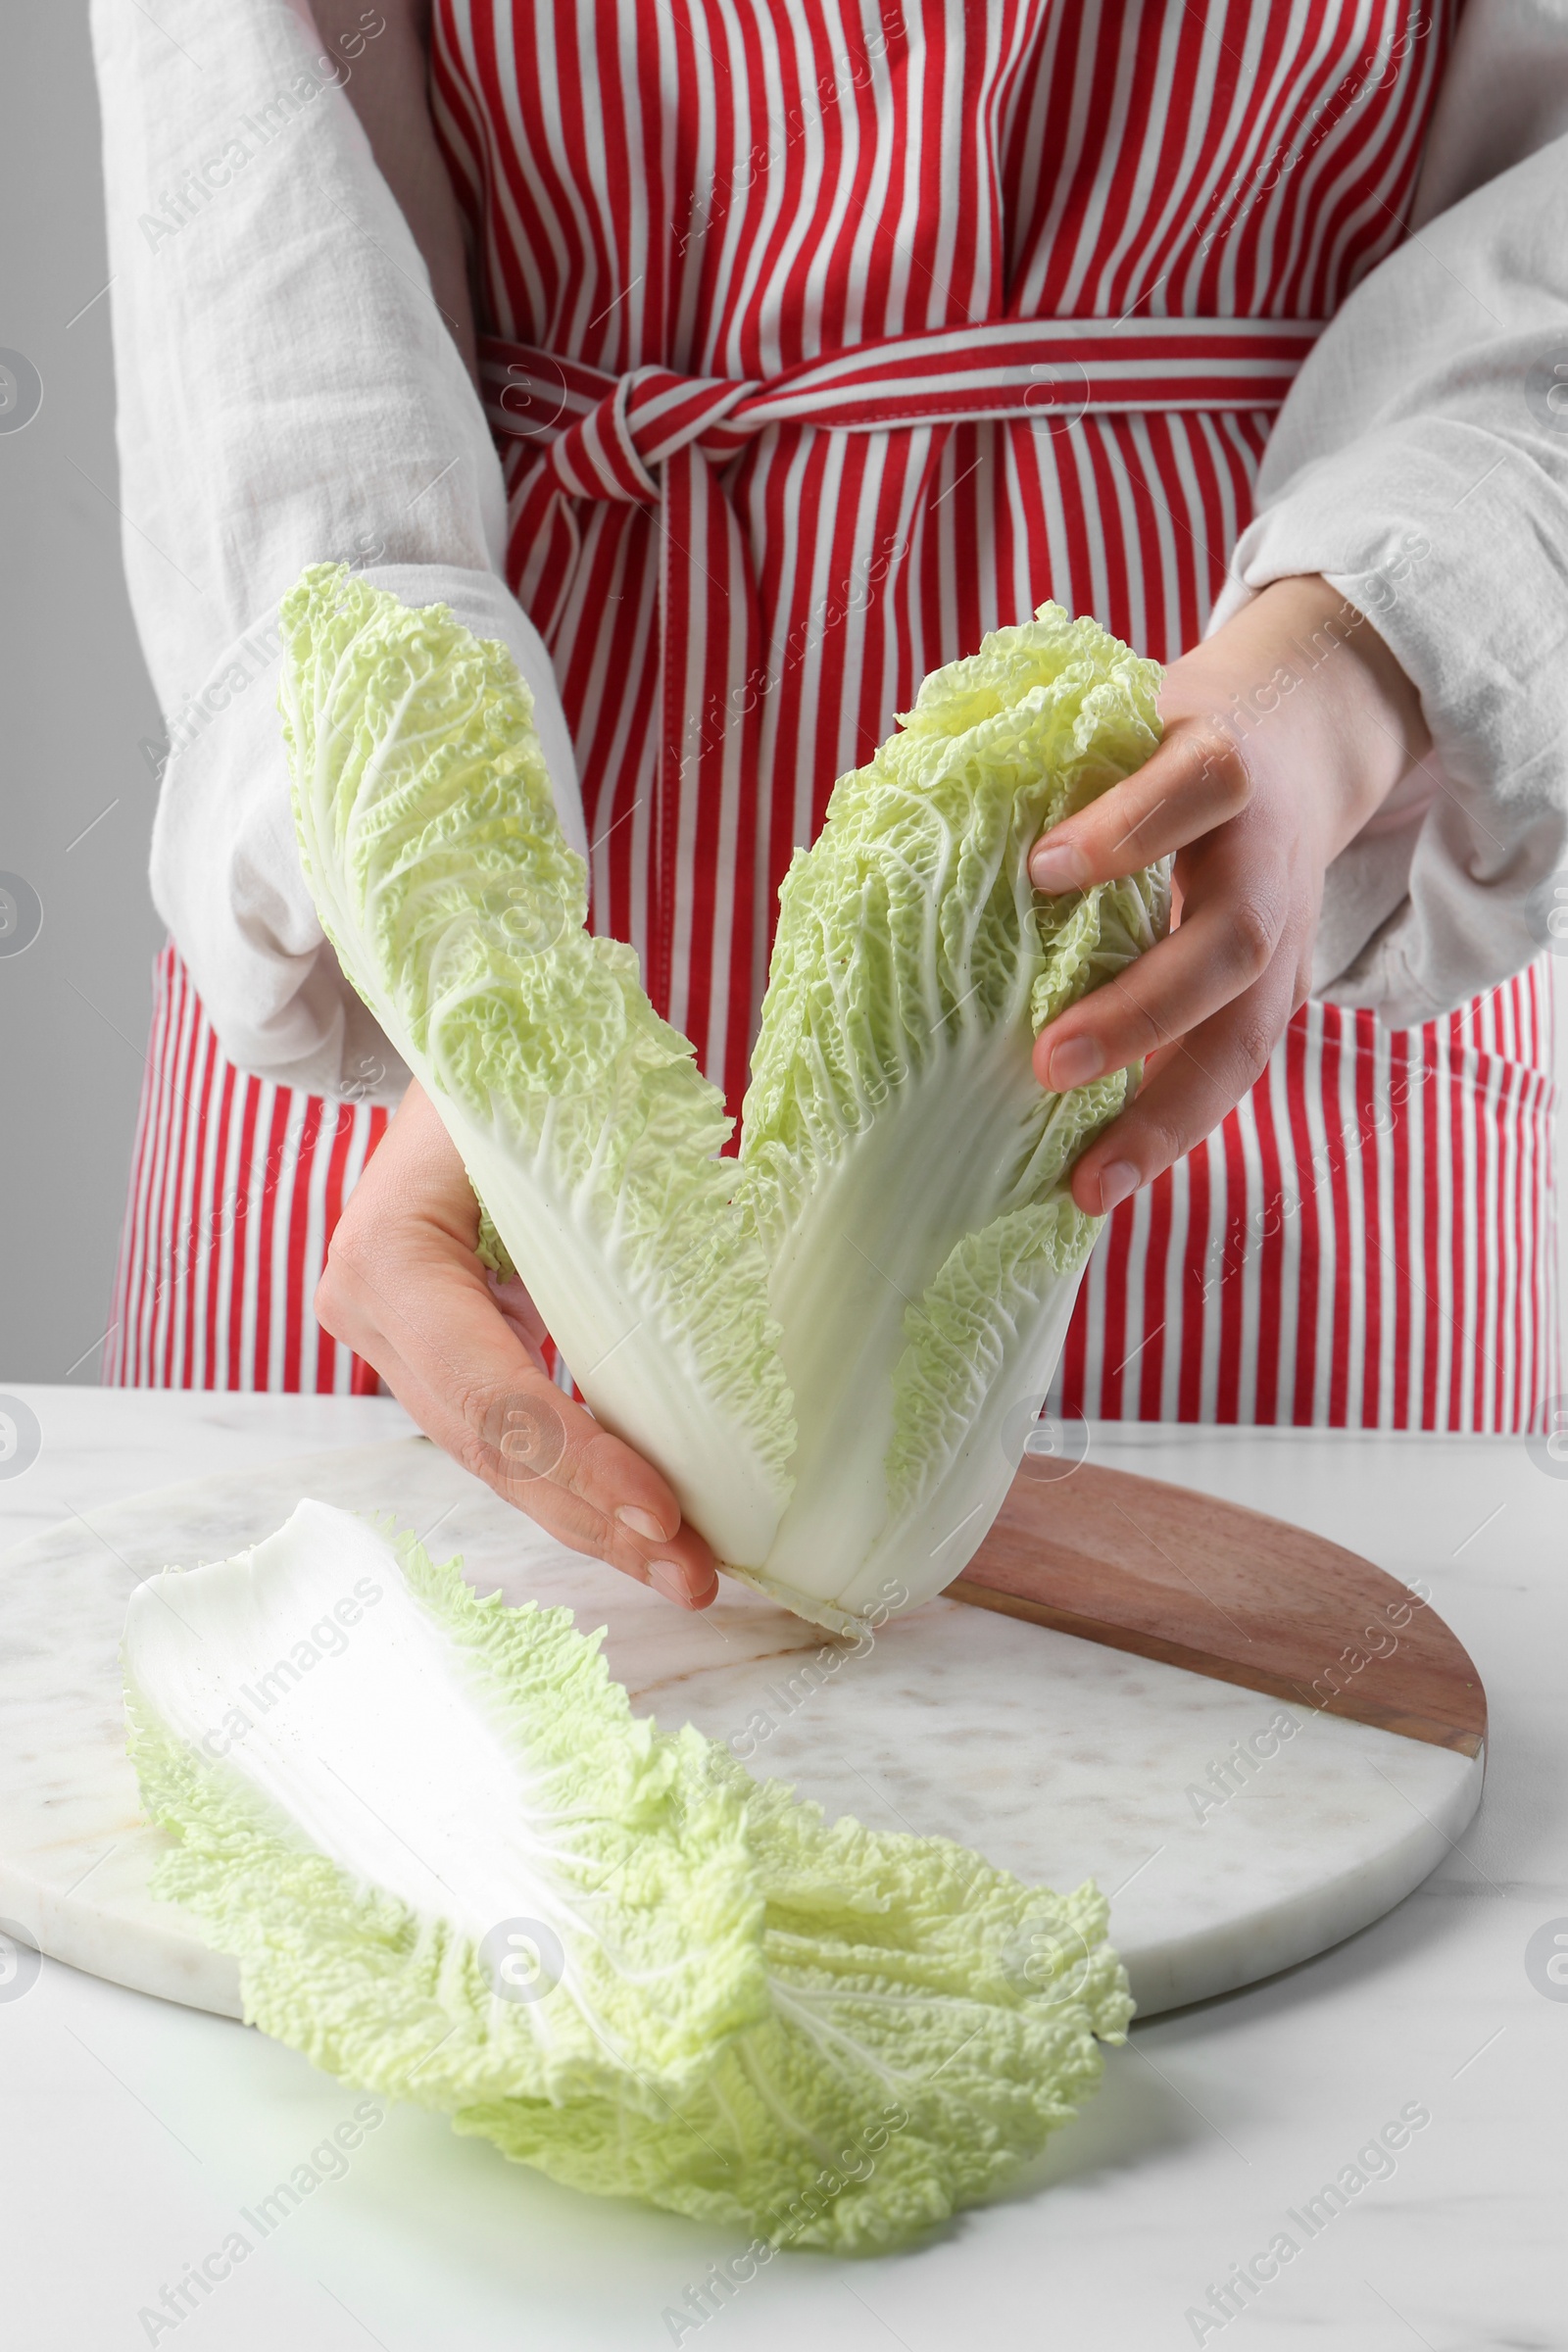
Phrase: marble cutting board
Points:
(1104, 1712)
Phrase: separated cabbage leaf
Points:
(456, 1869)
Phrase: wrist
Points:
(1352, 697)
(1312, 698)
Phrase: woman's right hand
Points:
(404, 1288)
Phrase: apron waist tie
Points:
(656, 438)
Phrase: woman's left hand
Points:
(1284, 732)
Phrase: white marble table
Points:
(137, 2134)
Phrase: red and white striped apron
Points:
(236, 1187)
(822, 339)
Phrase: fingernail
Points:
(1117, 1184)
(1075, 1063)
(1055, 867)
(670, 1579)
(641, 1523)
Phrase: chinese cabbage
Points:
(833, 1349)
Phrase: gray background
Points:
(74, 1007)
(76, 792)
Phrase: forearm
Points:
(388, 87)
(1420, 464)
(287, 395)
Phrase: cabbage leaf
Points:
(442, 879)
(385, 1790)
(902, 1165)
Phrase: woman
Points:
(814, 342)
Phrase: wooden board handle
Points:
(1169, 1573)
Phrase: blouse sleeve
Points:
(1421, 463)
(288, 394)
